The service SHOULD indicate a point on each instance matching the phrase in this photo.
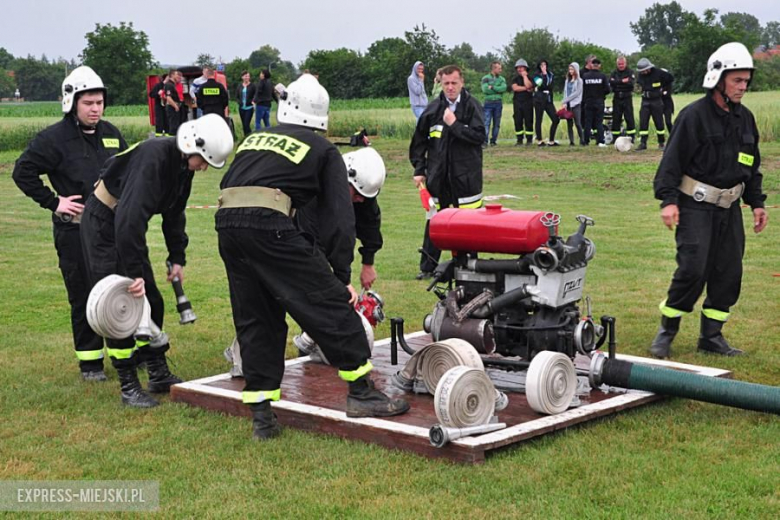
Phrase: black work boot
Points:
(364, 400)
(264, 425)
(92, 370)
(160, 377)
(661, 142)
(711, 341)
(642, 144)
(132, 393)
(662, 344)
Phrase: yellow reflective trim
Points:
(288, 147)
(89, 355)
(660, 132)
(141, 343)
(129, 149)
(110, 143)
(471, 205)
(354, 375)
(211, 91)
(745, 159)
(716, 315)
(629, 132)
(656, 85)
(670, 312)
(643, 132)
(120, 353)
(260, 396)
(435, 135)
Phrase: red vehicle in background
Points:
(189, 74)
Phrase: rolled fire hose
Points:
(114, 313)
(427, 366)
(551, 382)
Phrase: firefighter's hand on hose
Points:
(760, 219)
(137, 288)
(176, 270)
(353, 295)
(670, 215)
(418, 180)
(68, 206)
(367, 276)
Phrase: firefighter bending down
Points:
(272, 267)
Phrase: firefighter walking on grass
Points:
(652, 80)
(712, 160)
(274, 269)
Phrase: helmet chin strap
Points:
(84, 128)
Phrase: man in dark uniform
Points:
(212, 96)
(712, 160)
(446, 152)
(157, 95)
(174, 103)
(151, 178)
(274, 269)
(523, 103)
(622, 84)
(594, 89)
(668, 86)
(71, 153)
(651, 80)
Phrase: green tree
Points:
(205, 60)
(38, 80)
(269, 57)
(745, 25)
(661, 24)
(233, 72)
(6, 58)
(767, 74)
(531, 45)
(426, 48)
(770, 35)
(569, 51)
(121, 57)
(340, 71)
(388, 63)
(7, 84)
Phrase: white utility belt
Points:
(256, 197)
(701, 192)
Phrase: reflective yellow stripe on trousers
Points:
(260, 396)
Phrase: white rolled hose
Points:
(465, 396)
(551, 382)
(114, 313)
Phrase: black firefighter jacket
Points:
(71, 159)
(713, 146)
(450, 157)
(150, 178)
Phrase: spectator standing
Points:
(264, 95)
(157, 95)
(174, 102)
(436, 85)
(522, 103)
(543, 102)
(493, 86)
(416, 84)
(195, 86)
(244, 96)
(572, 101)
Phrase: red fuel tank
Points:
(492, 229)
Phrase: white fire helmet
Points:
(728, 57)
(81, 79)
(623, 144)
(208, 136)
(305, 102)
(366, 171)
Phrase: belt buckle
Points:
(700, 193)
(721, 193)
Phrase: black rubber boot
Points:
(642, 144)
(264, 425)
(364, 400)
(662, 344)
(711, 341)
(661, 141)
(160, 377)
(93, 375)
(132, 393)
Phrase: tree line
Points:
(668, 35)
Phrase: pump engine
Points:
(518, 306)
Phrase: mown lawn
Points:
(668, 460)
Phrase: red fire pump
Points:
(518, 306)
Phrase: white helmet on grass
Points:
(623, 144)
(366, 171)
(208, 136)
(305, 102)
(728, 57)
(81, 79)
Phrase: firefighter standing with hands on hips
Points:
(151, 178)
(71, 152)
(273, 268)
(712, 160)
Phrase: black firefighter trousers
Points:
(710, 244)
(99, 242)
(271, 272)
(89, 346)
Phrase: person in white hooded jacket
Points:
(572, 101)
(416, 83)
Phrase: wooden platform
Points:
(314, 398)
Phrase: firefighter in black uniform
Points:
(712, 160)
(71, 152)
(651, 79)
(174, 104)
(212, 96)
(622, 84)
(153, 177)
(523, 104)
(157, 95)
(595, 87)
(446, 152)
(668, 85)
(273, 268)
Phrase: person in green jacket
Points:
(493, 86)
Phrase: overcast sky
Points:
(179, 31)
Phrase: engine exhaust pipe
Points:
(440, 435)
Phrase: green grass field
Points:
(674, 459)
